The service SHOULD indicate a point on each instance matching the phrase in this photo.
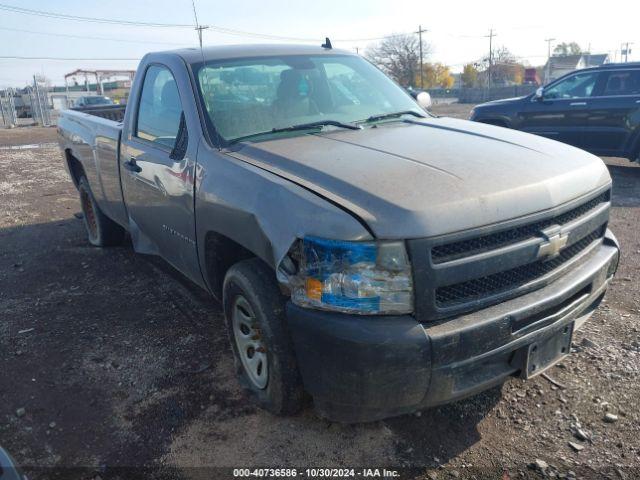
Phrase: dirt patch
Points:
(455, 110)
(27, 135)
(120, 362)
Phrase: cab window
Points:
(580, 85)
(349, 89)
(160, 108)
(622, 83)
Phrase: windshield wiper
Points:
(301, 126)
(383, 116)
(319, 123)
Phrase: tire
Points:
(635, 156)
(101, 230)
(264, 356)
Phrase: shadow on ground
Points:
(626, 185)
(120, 361)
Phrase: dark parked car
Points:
(597, 109)
(92, 101)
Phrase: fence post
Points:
(8, 108)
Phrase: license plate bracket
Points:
(543, 354)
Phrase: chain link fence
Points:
(39, 99)
(8, 108)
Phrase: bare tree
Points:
(505, 67)
(399, 57)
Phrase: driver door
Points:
(562, 112)
(157, 164)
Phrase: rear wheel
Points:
(635, 155)
(265, 360)
(101, 230)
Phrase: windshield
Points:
(244, 97)
(97, 101)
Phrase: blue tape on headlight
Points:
(358, 277)
(322, 254)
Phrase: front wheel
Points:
(265, 360)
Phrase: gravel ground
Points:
(110, 359)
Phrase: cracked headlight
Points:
(354, 277)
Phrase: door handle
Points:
(577, 104)
(132, 166)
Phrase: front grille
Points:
(473, 246)
(483, 287)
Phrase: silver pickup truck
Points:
(378, 257)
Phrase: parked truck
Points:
(376, 256)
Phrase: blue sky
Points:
(456, 29)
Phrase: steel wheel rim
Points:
(248, 338)
(89, 214)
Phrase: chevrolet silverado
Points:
(366, 252)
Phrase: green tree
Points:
(505, 68)
(436, 75)
(469, 75)
(564, 49)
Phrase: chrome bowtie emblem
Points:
(552, 246)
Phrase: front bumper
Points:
(364, 368)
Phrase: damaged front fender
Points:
(262, 212)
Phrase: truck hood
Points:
(434, 176)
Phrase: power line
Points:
(77, 18)
(87, 37)
(243, 33)
(217, 28)
(11, 57)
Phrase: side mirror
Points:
(539, 93)
(424, 100)
(8, 469)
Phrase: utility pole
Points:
(626, 51)
(199, 28)
(420, 32)
(490, 71)
(548, 69)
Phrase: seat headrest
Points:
(169, 96)
(293, 85)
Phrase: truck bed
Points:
(110, 112)
(96, 144)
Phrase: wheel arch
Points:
(74, 166)
(220, 254)
(634, 150)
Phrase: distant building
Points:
(558, 66)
